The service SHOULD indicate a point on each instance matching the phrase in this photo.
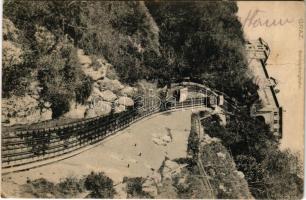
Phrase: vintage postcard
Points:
(152, 99)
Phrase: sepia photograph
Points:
(152, 99)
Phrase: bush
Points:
(270, 173)
(193, 144)
(70, 186)
(40, 188)
(243, 134)
(48, 52)
(59, 105)
(134, 188)
(15, 80)
(100, 185)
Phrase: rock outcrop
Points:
(9, 31)
(161, 140)
(125, 101)
(24, 110)
(169, 169)
(101, 109)
(108, 93)
(128, 91)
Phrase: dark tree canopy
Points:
(202, 40)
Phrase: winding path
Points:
(115, 153)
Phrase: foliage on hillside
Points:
(203, 40)
(270, 172)
(49, 58)
(226, 180)
(48, 33)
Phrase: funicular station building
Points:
(268, 109)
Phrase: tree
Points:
(204, 41)
(284, 175)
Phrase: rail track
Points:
(25, 149)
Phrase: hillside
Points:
(271, 173)
(57, 54)
(151, 163)
(58, 78)
(71, 60)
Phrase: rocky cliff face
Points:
(225, 180)
(81, 73)
(27, 108)
(108, 93)
(24, 110)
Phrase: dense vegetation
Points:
(160, 42)
(49, 56)
(203, 41)
(157, 41)
(93, 185)
(270, 172)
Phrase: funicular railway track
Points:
(27, 149)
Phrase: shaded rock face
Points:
(24, 110)
(96, 70)
(76, 111)
(170, 168)
(219, 111)
(125, 101)
(12, 54)
(108, 84)
(119, 108)
(108, 95)
(107, 92)
(128, 91)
